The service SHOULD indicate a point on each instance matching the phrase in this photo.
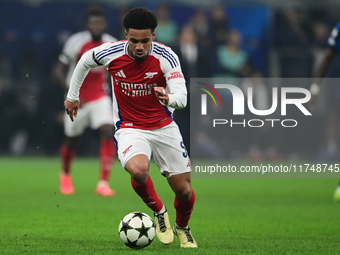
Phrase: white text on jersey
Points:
(136, 89)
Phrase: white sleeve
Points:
(83, 67)
(175, 82)
(176, 88)
(71, 48)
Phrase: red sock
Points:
(66, 158)
(184, 210)
(106, 156)
(148, 194)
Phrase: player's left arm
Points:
(175, 94)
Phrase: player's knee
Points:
(139, 174)
(184, 193)
(138, 168)
(141, 177)
(106, 131)
(106, 135)
(71, 142)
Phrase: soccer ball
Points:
(136, 230)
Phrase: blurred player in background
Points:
(96, 106)
(148, 85)
(332, 51)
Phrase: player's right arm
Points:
(72, 108)
(66, 59)
(79, 74)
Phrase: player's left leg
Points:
(67, 154)
(184, 205)
(173, 161)
(107, 153)
(100, 118)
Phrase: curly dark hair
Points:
(140, 18)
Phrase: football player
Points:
(148, 85)
(332, 51)
(96, 105)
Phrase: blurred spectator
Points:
(261, 92)
(194, 61)
(232, 61)
(5, 102)
(320, 32)
(20, 104)
(120, 31)
(200, 25)
(193, 57)
(204, 143)
(262, 141)
(292, 39)
(218, 25)
(206, 147)
(167, 28)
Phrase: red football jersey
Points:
(134, 102)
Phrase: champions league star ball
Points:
(136, 230)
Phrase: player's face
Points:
(139, 43)
(96, 25)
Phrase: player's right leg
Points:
(67, 153)
(107, 153)
(134, 152)
(138, 167)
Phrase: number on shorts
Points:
(185, 153)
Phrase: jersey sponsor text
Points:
(175, 75)
(136, 89)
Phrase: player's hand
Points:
(71, 108)
(162, 95)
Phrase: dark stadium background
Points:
(32, 34)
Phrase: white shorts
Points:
(94, 114)
(164, 144)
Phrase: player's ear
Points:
(126, 33)
(153, 34)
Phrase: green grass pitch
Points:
(231, 216)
